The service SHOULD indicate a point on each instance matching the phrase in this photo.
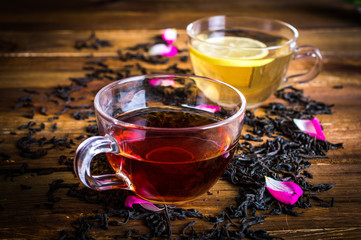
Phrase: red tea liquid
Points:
(172, 167)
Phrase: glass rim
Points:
(275, 47)
(115, 121)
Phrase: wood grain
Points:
(37, 54)
(338, 42)
(87, 15)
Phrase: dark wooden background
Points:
(37, 53)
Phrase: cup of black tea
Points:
(168, 137)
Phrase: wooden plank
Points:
(160, 14)
(33, 72)
(23, 205)
(144, 5)
(336, 42)
(15, 70)
(337, 127)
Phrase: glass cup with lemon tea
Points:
(249, 53)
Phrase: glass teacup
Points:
(168, 137)
(249, 53)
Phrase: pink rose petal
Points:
(170, 35)
(163, 49)
(311, 127)
(209, 108)
(162, 82)
(130, 200)
(285, 192)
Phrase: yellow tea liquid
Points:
(241, 60)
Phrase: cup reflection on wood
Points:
(168, 137)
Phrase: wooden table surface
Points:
(37, 56)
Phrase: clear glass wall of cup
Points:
(249, 53)
(168, 137)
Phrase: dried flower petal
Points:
(163, 49)
(285, 192)
(170, 35)
(130, 200)
(311, 127)
(209, 108)
(162, 82)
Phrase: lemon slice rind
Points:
(232, 51)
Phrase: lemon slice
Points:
(232, 51)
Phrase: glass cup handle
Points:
(83, 157)
(306, 52)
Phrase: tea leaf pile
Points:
(270, 146)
